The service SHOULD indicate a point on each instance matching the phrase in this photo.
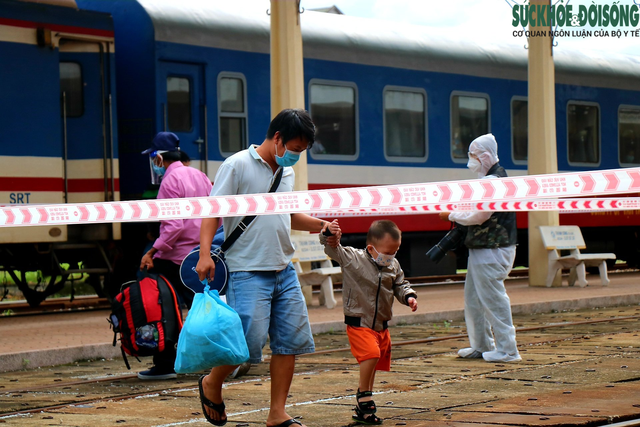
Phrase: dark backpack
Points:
(147, 316)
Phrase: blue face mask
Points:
(158, 170)
(289, 159)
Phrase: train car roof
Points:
(376, 42)
(25, 13)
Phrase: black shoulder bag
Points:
(218, 249)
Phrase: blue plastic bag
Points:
(212, 335)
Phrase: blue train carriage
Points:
(58, 121)
(394, 103)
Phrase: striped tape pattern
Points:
(524, 193)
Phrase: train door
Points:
(181, 97)
(88, 152)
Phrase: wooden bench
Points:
(570, 238)
(308, 250)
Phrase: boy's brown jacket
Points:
(367, 289)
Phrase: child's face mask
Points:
(383, 260)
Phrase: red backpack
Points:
(147, 316)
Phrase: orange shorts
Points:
(368, 344)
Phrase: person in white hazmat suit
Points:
(491, 239)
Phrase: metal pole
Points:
(64, 146)
(113, 184)
(104, 126)
(164, 117)
(542, 151)
(206, 142)
(113, 179)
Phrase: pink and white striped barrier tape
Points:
(562, 205)
(523, 193)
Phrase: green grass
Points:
(35, 277)
(76, 281)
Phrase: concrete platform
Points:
(579, 368)
(53, 339)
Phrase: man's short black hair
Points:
(380, 228)
(293, 123)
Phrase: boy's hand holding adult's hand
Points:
(333, 230)
(444, 216)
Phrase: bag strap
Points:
(244, 222)
(124, 356)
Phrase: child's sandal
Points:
(367, 407)
(367, 419)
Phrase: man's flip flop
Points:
(218, 407)
(289, 423)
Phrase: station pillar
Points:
(287, 77)
(542, 151)
(287, 82)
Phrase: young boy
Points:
(370, 279)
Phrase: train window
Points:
(179, 104)
(583, 127)
(232, 113)
(333, 108)
(519, 129)
(405, 130)
(629, 135)
(469, 120)
(71, 87)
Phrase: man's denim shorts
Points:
(271, 304)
